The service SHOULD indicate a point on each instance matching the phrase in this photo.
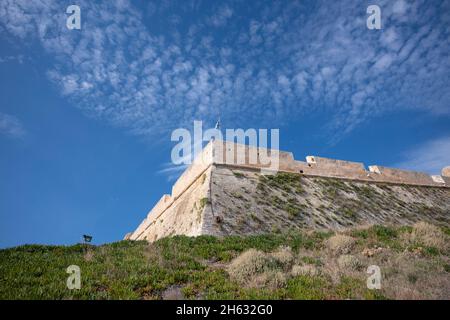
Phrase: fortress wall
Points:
(128, 236)
(438, 179)
(401, 176)
(303, 167)
(446, 172)
(244, 156)
(404, 204)
(335, 165)
(159, 207)
(287, 161)
(331, 167)
(200, 163)
(183, 215)
(144, 224)
(355, 170)
(446, 180)
(223, 154)
(226, 152)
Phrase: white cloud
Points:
(11, 126)
(19, 59)
(399, 7)
(221, 17)
(285, 60)
(171, 171)
(430, 157)
(384, 62)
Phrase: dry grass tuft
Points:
(340, 244)
(428, 235)
(305, 270)
(248, 265)
(283, 255)
(408, 276)
(256, 269)
(89, 255)
(269, 280)
(154, 255)
(349, 262)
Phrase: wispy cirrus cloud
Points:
(179, 162)
(20, 58)
(271, 63)
(220, 18)
(430, 157)
(11, 126)
(171, 171)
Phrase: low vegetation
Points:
(414, 263)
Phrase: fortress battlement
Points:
(233, 155)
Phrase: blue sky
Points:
(86, 115)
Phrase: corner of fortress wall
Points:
(233, 154)
(203, 160)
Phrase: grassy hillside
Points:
(414, 263)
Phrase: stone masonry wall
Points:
(244, 156)
(184, 215)
(246, 202)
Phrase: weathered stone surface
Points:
(127, 236)
(223, 196)
(241, 201)
(438, 179)
(446, 172)
(183, 215)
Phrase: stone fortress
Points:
(226, 192)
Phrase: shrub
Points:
(340, 244)
(283, 255)
(269, 280)
(293, 211)
(384, 233)
(203, 203)
(447, 268)
(306, 270)
(249, 264)
(307, 287)
(428, 235)
(238, 174)
(310, 260)
(347, 261)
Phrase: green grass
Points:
(203, 203)
(312, 261)
(238, 174)
(197, 266)
(383, 236)
(447, 267)
(307, 288)
(133, 269)
(284, 181)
